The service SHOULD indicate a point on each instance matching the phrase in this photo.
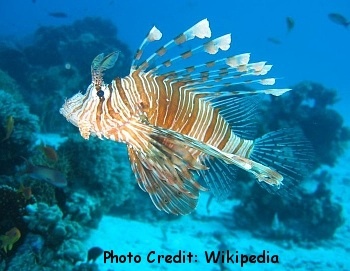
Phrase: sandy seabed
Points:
(198, 233)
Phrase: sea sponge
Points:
(21, 141)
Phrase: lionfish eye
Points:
(100, 93)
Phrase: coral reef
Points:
(55, 65)
(21, 140)
(303, 217)
(100, 170)
(13, 62)
(58, 62)
(12, 209)
(308, 106)
(54, 242)
(100, 180)
(7, 83)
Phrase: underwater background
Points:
(81, 197)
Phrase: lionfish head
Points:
(97, 90)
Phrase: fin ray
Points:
(219, 177)
(286, 151)
(239, 112)
(200, 30)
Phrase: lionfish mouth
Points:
(68, 109)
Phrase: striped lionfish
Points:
(182, 125)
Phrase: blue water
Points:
(316, 49)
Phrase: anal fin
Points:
(220, 177)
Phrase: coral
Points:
(21, 141)
(13, 61)
(64, 258)
(58, 62)
(12, 210)
(305, 216)
(86, 267)
(53, 242)
(43, 191)
(86, 210)
(72, 250)
(48, 221)
(308, 106)
(9, 84)
(101, 172)
(67, 44)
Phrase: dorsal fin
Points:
(210, 47)
(153, 35)
(191, 71)
(200, 30)
(214, 74)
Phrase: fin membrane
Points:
(163, 169)
(286, 151)
(239, 112)
(219, 177)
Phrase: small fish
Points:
(338, 19)
(44, 173)
(290, 23)
(210, 199)
(58, 14)
(10, 237)
(10, 123)
(49, 152)
(181, 123)
(274, 40)
(94, 253)
(26, 191)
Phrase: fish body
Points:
(26, 191)
(290, 23)
(94, 253)
(10, 124)
(58, 14)
(49, 152)
(44, 173)
(274, 40)
(179, 122)
(49, 175)
(339, 19)
(10, 237)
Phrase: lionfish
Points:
(186, 125)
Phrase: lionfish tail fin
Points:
(287, 152)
